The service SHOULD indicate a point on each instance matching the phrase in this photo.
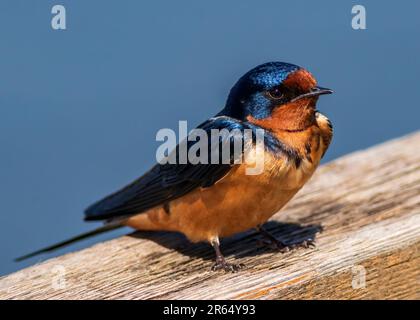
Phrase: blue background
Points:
(79, 109)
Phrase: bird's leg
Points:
(280, 245)
(221, 263)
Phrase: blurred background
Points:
(80, 108)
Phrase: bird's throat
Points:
(292, 117)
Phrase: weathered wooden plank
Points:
(368, 204)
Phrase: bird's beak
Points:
(316, 91)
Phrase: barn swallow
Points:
(207, 202)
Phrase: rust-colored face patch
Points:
(291, 116)
(294, 115)
(301, 79)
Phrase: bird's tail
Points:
(105, 228)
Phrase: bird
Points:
(210, 201)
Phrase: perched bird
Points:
(208, 201)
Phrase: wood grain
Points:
(367, 203)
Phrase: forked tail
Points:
(105, 228)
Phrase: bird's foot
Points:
(273, 243)
(221, 264)
(308, 244)
(284, 247)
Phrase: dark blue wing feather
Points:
(166, 182)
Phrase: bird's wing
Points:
(166, 182)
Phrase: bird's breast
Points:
(240, 200)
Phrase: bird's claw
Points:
(227, 267)
(308, 244)
(283, 247)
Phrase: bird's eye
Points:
(275, 93)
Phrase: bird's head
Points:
(280, 95)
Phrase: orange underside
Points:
(238, 201)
